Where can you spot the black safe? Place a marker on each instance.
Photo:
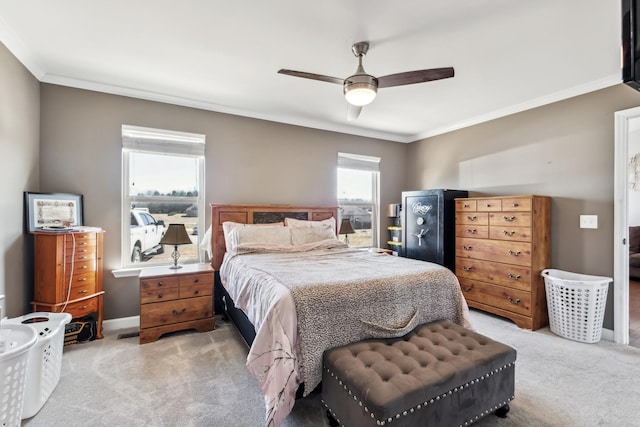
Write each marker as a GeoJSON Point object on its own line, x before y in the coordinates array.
{"type": "Point", "coordinates": [428, 225]}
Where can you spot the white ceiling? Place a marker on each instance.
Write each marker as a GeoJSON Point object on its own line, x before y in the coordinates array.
{"type": "Point", "coordinates": [224, 56]}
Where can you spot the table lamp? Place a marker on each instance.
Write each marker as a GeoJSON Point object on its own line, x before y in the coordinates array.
{"type": "Point", "coordinates": [175, 235]}
{"type": "Point", "coordinates": [346, 229]}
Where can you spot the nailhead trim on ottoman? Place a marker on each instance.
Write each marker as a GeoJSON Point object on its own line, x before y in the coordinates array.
{"type": "Point", "coordinates": [440, 374]}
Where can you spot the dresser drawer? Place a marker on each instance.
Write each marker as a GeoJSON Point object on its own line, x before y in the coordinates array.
{"type": "Point", "coordinates": [518, 253]}
{"type": "Point", "coordinates": [472, 218]}
{"type": "Point", "coordinates": [516, 204]}
{"type": "Point", "coordinates": [170, 312]}
{"type": "Point", "coordinates": [159, 294]}
{"type": "Point", "coordinates": [159, 283]}
{"type": "Point", "coordinates": [489, 205]}
{"type": "Point", "coordinates": [514, 219]}
{"type": "Point", "coordinates": [502, 232]}
{"type": "Point", "coordinates": [497, 296]}
{"type": "Point", "coordinates": [512, 276]}
{"type": "Point", "coordinates": [80, 267]}
{"type": "Point", "coordinates": [82, 308]}
{"type": "Point", "coordinates": [88, 252]}
{"type": "Point", "coordinates": [466, 205]}
{"type": "Point", "coordinates": [189, 291]}
{"type": "Point", "coordinates": [80, 239]}
{"type": "Point", "coordinates": [82, 290]}
{"type": "Point", "coordinates": [80, 278]}
{"type": "Point", "coordinates": [196, 279]}
{"type": "Point", "coordinates": [469, 230]}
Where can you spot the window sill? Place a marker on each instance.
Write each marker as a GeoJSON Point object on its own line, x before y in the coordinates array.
{"type": "Point", "coordinates": [126, 272]}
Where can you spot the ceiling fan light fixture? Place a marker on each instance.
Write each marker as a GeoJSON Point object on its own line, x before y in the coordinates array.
{"type": "Point", "coordinates": [360, 90]}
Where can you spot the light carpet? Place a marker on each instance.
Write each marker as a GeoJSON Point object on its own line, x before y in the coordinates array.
{"type": "Point", "coordinates": [199, 379]}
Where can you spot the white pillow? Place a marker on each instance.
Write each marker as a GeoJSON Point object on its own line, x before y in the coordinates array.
{"type": "Point", "coordinates": [329, 224]}
{"type": "Point", "coordinates": [229, 226]}
{"type": "Point", "coordinates": [303, 235]}
{"type": "Point", "coordinates": [260, 236]}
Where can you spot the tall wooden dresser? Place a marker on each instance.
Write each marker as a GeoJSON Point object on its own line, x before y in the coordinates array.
{"type": "Point", "coordinates": [502, 245]}
{"type": "Point", "coordinates": [68, 274]}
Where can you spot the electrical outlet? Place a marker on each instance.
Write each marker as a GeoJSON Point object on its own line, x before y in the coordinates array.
{"type": "Point", "coordinates": [588, 221]}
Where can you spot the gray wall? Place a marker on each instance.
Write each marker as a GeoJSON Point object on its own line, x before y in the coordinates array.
{"type": "Point", "coordinates": [247, 161]}
{"type": "Point", "coordinates": [19, 141]}
{"type": "Point", "coordinates": [564, 150]}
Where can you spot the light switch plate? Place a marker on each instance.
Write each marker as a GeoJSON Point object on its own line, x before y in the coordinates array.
{"type": "Point", "coordinates": [588, 221]}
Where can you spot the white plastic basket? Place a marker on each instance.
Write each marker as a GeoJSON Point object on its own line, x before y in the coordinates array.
{"type": "Point", "coordinates": [576, 304]}
{"type": "Point", "coordinates": [15, 342]}
{"type": "Point", "coordinates": [45, 357]}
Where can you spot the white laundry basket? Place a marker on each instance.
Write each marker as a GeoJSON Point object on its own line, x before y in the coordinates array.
{"type": "Point", "coordinates": [45, 357]}
{"type": "Point", "coordinates": [15, 343]}
{"type": "Point", "coordinates": [576, 304]}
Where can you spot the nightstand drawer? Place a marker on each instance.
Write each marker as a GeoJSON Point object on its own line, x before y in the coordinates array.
{"type": "Point", "coordinates": [196, 279]}
{"type": "Point", "coordinates": [159, 294]}
{"type": "Point", "coordinates": [171, 312]}
{"type": "Point", "coordinates": [159, 283]}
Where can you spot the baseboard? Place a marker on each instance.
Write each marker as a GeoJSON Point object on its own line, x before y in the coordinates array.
{"type": "Point", "coordinates": [112, 325]}
{"type": "Point", "coordinates": [607, 334]}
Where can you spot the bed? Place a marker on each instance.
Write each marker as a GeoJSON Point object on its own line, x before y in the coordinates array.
{"type": "Point", "coordinates": [294, 290]}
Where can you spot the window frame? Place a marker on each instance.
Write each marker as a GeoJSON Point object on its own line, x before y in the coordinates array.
{"type": "Point", "coordinates": [368, 164]}
{"type": "Point", "coordinates": [137, 139]}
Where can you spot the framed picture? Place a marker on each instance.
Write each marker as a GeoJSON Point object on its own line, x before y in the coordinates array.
{"type": "Point", "coordinates": [52, 211]}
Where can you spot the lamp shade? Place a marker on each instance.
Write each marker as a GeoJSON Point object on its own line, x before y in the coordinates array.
{"type": "Point", "coordinates": [345, 227]}
{"type": "Point", "coordinates": [176, 234]}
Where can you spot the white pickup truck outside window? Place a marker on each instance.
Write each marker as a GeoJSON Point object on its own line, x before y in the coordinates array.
{"type": "Point", "coordinates": [162, 183]}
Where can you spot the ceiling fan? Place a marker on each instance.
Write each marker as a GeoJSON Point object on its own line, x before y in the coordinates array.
{"type": "Point", "coordinates": [361, 88]}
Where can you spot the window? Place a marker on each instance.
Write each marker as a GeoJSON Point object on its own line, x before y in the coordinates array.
{"type": "Point", "coordinates": [162, 184]}
{"type": "Point", "coordinates": [358, 194]}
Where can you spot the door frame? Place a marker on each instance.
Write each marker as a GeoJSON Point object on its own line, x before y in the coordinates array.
{"type": "Point", "coordinates": [621, 228]}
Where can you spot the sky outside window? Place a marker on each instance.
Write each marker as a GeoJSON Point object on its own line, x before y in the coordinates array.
{"type": "Point", "coordinates": [354, 184]}
{"type": "Point", "coordinates": [154, 172]}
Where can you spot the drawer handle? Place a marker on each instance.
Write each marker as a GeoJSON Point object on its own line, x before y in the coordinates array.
{"type": "Point", "coordinates": [468, 289]}
{"type": "Point", "coordinates": [509, 218]}
{"type": "Point", "coordinates": [512, 301]}
{"type": "Point", "coordinates": [472, 218]}
{"type": "Point", "coordinates": [515, 205]}
{"type": "Point", "coordinates": [466, 206]}
{"type": "Point", "coordinates": [514, 253]}
{"type": "Point", "coordinates": [512, 277]}
{"type": "Point", "coordinates": [471, 231]}
{"type": "Point", "coordinates": [82, 250]}
{"type": "Point", "coordinates": [84, 291]}
{"type": "Point", "coordinates": [196, 292]}
{"type": "Point", "coordinates": [509, 233]}
{"type": "Point", "coordinates": [160, 296]}
{"type": "Point", "coordinates": [83, 307]}
{"type": "Point", "coordinates": [196, 280]}
{"type": "Point", "coordinates": [467, 248]}
{"type": "Point", "coordinates": [465, 268]}
{"type": "Point", "coordinates": [84, 279]}
{"type": "Point", "coordinates": [160, 284]}
{"type": "Point", "coordinates": [176, 312]}
{"type": "Point", "coordinates": [82, 267]}
{"type": "Point", "coordinates": [488, 205]}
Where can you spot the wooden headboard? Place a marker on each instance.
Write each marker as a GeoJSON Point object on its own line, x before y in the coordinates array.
{"type": "Point", "coordinates": [258, 214]}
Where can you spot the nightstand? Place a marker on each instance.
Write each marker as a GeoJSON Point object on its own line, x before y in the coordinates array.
{"type": "Point", "coordinates": [175, 300]}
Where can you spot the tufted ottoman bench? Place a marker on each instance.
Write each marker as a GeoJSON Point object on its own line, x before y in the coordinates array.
{"type": "Point", "coordinates": [440, 374]}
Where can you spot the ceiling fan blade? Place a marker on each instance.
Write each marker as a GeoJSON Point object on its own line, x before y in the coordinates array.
{"type": "Point", "coordinates": [311, 76]}
{"type": "Point", "coordinates": [353, 112]}
{"type": "Point", "coordinates": [411, 77]}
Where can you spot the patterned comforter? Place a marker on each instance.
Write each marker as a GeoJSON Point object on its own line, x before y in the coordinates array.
{"type": "Point", "coordinates": [306, 300]}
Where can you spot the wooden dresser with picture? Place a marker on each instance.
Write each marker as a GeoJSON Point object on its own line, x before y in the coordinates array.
{"type": "Point", "coordinates": [502, 245]}
{"type": "Point", "coordinates": [68, 274]}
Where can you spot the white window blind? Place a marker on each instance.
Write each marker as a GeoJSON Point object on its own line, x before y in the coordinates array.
{"type": "Point", "coordinates": [358, 162]}
{"type": "Point", "coordinates": [162, 141]}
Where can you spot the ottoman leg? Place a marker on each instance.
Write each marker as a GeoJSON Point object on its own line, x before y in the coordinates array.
{"type": "Point", "coordinates": [502, 412]}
